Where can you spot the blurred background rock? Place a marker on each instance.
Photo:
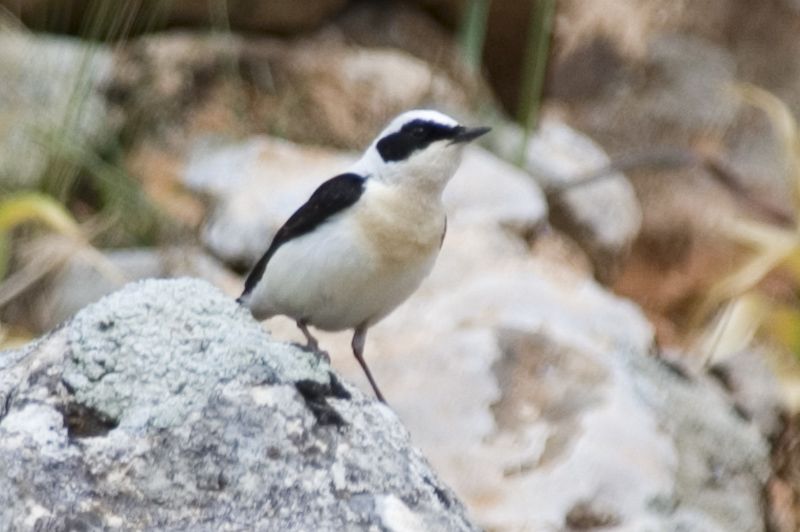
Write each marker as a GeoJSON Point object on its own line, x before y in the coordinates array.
{"type": "Point", "coordinates": [619, 354]}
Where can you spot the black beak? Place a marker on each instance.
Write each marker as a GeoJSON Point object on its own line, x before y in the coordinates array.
{"type": "Point", "coordinates": [467, 134]}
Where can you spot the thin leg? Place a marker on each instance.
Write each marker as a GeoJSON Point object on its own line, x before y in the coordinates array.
{"type": "Point", "coordinates": [311, 342]}
{"type": "Point", "coordinates": [359, 338]}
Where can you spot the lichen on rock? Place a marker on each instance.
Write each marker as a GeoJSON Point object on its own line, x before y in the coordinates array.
{"type": "Point", "coordinates": [165, 405]}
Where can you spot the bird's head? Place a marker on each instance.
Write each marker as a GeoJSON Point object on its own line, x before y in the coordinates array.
{"type": "Point", "coordinates": [420, 148]}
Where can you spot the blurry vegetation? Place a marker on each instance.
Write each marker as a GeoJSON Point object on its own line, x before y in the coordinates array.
{"type": "Point", "coordinates": [94, 180]}
{"type": "Point", "coordinates": [99, 20]}
{"type": "Point", "coordinates": [63, 239]}
{"type": "Point", "coordinates": [84, 188]}
{"type": "Point", "coordinates": [91, 181]}
{"type": "Point", "coordinates": [534, 67]}
{"type": "Point", "coordinates": [537, 52]}
{"type": "Point", "coordinates": [773, 252]}
{"type": "Point", "coordinates": [82, 185]}
{"type": "Point", "coordinates": [473, 32]}
{"type": "Point", "coordinates": [21, 208]}
{"type": "Point", "coordinates": [96, 184]}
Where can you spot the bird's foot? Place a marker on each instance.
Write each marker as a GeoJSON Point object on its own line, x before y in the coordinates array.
{"type": "Point", "coordinates": [322, 356]}
{"type": "Point", "coordinates": [313, 348]}
{"type": "Point", "coordinates": [311, 343]}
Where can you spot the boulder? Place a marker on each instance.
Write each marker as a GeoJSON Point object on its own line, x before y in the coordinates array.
{"type": "Point", "coordinates": [603, 216]}
{"type": "Point", "coordinates": [166, 406]}
{"type": "Point", "coordinates": [560, 412]}
{"type": "Point", "coordinates": [404, 26]}
{"type": "Point", "coordinates": [51, 104]}
{"type": "Point", "coordinates": [81, 281]}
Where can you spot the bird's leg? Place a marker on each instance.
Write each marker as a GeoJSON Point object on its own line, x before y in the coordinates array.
{"type": "Point", "coordinates": [359, 338]}
{"type": "Point", "coordinates": [311, 342]}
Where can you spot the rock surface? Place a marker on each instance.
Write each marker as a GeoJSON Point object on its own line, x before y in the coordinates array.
{"type": "Point", "coordinates": [51, 91]}
{"type": "Point", "coordinates": [603, 217]}
{"type": "Point", "coordinates": [165, 406]}
{"type": "Point", "coordinates": [559, 415]}
{"type": "Point", "coordinates": [79, 282]}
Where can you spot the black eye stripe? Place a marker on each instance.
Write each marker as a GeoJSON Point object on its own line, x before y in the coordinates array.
{"type": "Point", "coordinates": [413, 136]}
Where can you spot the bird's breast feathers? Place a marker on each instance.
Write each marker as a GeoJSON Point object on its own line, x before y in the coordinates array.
{"type": "Point", "coordinates": [402, 228]}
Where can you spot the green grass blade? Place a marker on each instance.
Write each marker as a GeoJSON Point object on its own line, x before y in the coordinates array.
{"type": "Point", "coordinates": [534, 69]}
{"type": "Point", "coordinates": [28, 207]}
{"type": "Point", "coordinates": [473, 32]}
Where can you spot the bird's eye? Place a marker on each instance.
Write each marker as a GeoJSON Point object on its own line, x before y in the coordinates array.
{"type": "Point", "coordinates": [418, 132]}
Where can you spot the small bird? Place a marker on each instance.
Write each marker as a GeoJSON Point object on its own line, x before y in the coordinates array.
{"type": "Point", "coordinates": [365, 239]}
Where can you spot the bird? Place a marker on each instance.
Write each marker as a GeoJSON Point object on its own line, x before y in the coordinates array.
{"type": "Point", "coordinates": [365, 239]}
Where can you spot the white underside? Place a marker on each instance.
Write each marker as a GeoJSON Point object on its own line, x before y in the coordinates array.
{"type": "Point", "coordinates": [335, 279]}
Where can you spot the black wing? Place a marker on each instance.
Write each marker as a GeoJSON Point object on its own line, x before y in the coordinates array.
{"type": "Point", "coordinates": [332, 196]}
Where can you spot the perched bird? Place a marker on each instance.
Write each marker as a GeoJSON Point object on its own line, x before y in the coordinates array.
{"type": "Point", "coordinates": [365, 239]}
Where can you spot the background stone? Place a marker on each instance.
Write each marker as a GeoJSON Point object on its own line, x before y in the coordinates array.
{"type": "Point", "coordinates": [79, 282]}
{"type": "Point", "coordinates": [318, 89]}
{"type": "Point", "coordinates": [51, 104]}
{"type": "Point", "coordinates": [603, 217]}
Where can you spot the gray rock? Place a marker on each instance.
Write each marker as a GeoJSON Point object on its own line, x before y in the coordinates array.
{"type": "Point", "coordinates": [716, 449]}
{"type": "Point", "coordinates": [50, 103]}
{"type": "Point", "coordinates": [679, 97]}
{"type": "Point", "coordinates": [604, 217]}
{"type": "Point", "coordinates": [559, 412]}
{"type": "Point", "coordinates": [754, 386]}
{"type": "Point", "coordinates": [405, 26]}
{"type": "Point", "coordinates": [489, 190]}
{"type": "Point", "coordinates": [165, 406]}
{"type": "Point", "coordinates": [79, 282]}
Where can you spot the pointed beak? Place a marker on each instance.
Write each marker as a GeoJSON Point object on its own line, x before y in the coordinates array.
{"type": "Point", "coordinates": [467, 134]}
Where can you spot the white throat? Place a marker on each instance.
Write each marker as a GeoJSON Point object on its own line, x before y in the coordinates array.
{"type": "Point", "coordinates": [428, 171]}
